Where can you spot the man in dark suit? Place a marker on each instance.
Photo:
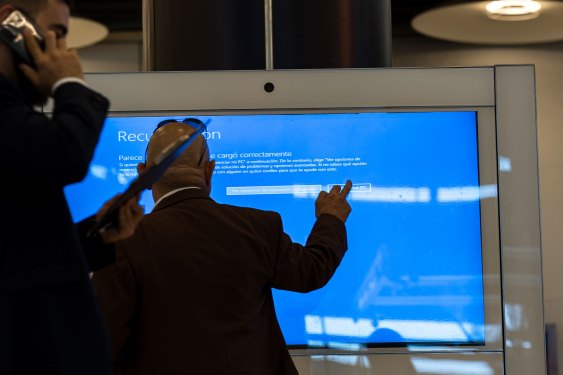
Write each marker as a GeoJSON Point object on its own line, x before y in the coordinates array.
{"type": "Point", "coordinates": [49, 319]}
{"type": "Point", "coordinates": [190, 292]}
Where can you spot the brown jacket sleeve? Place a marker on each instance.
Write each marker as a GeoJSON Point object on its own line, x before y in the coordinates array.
{"type": "Point", "coordinates": [305, 268]}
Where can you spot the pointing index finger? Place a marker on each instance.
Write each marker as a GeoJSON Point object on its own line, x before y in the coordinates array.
{"type": "Point", "coordinates": [347, 187]}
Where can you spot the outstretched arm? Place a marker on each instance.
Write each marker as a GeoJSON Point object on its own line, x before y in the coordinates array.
{"type": "Point", "coordinates": [306, 268]}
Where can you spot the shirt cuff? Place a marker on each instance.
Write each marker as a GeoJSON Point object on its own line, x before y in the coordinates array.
{"type": "Point", "coordinates": [62, 81]}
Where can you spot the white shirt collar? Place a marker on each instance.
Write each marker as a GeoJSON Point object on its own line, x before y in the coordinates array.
{"type": "Point", "coordinates": [174, 192]}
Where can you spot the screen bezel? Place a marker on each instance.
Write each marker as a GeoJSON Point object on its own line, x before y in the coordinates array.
{"type": "Point", "coordinates": [507, 91]}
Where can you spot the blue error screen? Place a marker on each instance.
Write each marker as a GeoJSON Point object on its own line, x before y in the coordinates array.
{"type": "Point", "coordinates": [413, 271]}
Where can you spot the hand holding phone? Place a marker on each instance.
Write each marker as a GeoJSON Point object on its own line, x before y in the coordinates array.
{"type": "Point", "coordinates": [54, 63]}
{"type": "Point", "coordinates": [11, 32]}
{"type": "Point", "coordinates": [43, 57]}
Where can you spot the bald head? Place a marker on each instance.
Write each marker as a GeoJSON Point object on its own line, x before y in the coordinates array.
{"type": "Point", "coordinates": [192, 168]}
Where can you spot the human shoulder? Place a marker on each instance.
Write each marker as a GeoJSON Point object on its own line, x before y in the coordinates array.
{"type": "Point", "coordinates": [73, 90]}
{"type": "Point", "coordinates": [151, 223]}
{"type": "Point", "coordinates": [251, 213]}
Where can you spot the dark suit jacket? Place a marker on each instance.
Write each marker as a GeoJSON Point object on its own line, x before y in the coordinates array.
{"type": "Point", "coordinates": [49, 319]}
{"type": "Point", "coordinates": [190, 292]}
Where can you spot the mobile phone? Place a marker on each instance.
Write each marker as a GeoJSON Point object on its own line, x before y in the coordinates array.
{"type": "Point", "coordinates": [11, 32]}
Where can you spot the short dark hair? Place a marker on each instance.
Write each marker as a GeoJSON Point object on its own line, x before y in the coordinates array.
{"type": "Point", "coordinates": [31, 7]}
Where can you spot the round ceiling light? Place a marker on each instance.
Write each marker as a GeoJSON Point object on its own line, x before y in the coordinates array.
{"type": "Point", "coordinates": [471, 22]}
{"type": "Point", "coordinates": [513, 10]}
{"type": "Point", "coordinates": [83, 32]}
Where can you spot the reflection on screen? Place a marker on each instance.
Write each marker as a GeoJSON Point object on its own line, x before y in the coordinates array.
{"type": "Point", "coordinates": [413, 271]}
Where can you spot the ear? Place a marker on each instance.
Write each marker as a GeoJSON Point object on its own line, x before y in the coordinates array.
{"type": "Point", "coordinates": [209, 173]}
{"type": "Point", "coordinates": [141, 169]}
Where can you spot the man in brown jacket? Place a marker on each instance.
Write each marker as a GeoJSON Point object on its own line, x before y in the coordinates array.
{"type": "Point", "coordinates": [190, 292]}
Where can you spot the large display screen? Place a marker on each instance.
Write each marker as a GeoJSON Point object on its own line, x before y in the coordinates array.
{"type": "Point", "coordinates": [413, 273]}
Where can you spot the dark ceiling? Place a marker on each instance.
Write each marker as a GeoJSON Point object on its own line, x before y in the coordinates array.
{"type": "Point", "coordinates": [126, 15]}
